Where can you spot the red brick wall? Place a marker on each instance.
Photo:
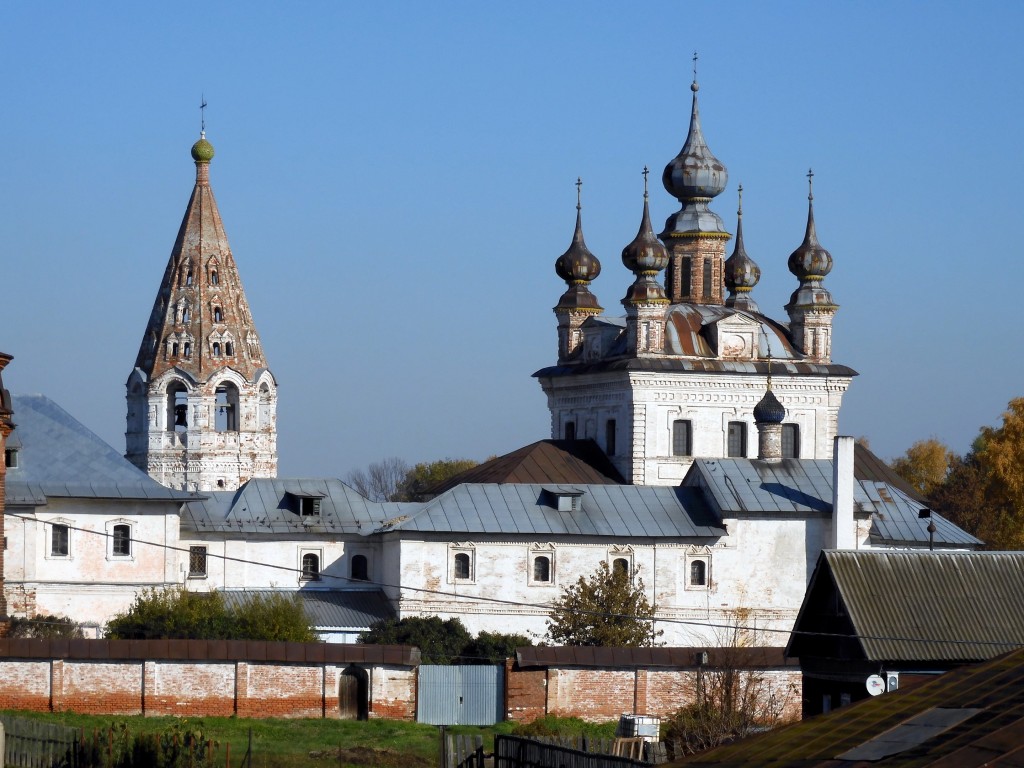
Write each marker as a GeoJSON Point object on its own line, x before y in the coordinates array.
{"type": "Point", "coordinates": [197, 689]}
{"type": "Point", "coordinates": [604, 694]}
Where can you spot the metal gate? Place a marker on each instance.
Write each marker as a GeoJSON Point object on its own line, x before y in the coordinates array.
{"type": "Point", "coordinates": [460, 695]}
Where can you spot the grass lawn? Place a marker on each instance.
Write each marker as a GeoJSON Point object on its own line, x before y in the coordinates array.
{"type": "Point", "coordinates": [280, 743]}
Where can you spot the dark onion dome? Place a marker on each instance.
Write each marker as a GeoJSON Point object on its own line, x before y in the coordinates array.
{"type": "Point", "coordinates": [645, 257]}
{"type": "Point", "coordinates": [578, 266]}
{"type": "Point", "coordinates": [769, 410]}
{"type": "Point", "coordinates": [202, 150]}
{"type": "Point", "coordinates": [810, 261]}
{"type": "Point", "coordinates": [694, 172]}
{"type": "Point", "coordinates": [741, 271]}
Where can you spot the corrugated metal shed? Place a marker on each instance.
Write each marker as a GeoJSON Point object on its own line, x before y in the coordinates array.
{"type": "Point", "coordinates": [59, 456]}
{"type": "Point", "coordinates": [335, 608]}
{"type": "Point", "coordinates": [603, 510]}
{"type": "Point", "coordinates": [910, 606]}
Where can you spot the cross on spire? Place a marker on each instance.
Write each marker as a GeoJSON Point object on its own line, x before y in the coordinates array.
{"type": "Point", "coordinates": [202, 115]}
{"type": "Point", "coordinates": [646, 171]}
{"type": "Point", "coordinates": [579, 184]}
{"type": "Point", "coordinates": [695, 66]}
{"type": "Point", "coordinates": [739, 192]}
{"type": "Point", "coordinates": [810, 183]}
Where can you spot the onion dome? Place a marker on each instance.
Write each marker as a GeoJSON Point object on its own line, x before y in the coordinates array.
{"type": "Point", "coordinates": [769, 410]}
{"type": "Point", "coordinates": [693, 177]}
{"type": "Point", "coordinates": [645, 257]}
{"type": "Point", "coordinates": [578, 266]}
{"type": "Point", "coordinates": [741, 271]}
{"type": "Point", "coordinates": [810, 261]}
{"type": "Point", "coordinates": [202, 150]}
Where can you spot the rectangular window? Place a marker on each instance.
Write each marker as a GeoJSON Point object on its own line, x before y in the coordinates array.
{"type": "Point", "coordinates": [682, 434]}
{"type": "Point", "coordinates": [790, 441]}
{"type": "Point", "coordinates": [609, 437]}
{"type": "Point", "coordinates": [11, 458]}
{"type": "Point", "coordinates": [197, 562]}
{"type": "Point", "coordinates": [59, 540]}
{"type": "Point", "coordinates": [737, 439]}
{"type": "Point", "coordinates": [570, 430]}
{"type": "Point", "coordinates": [122, 545]}
{"type": "Point", "coordinates": [309, 506]}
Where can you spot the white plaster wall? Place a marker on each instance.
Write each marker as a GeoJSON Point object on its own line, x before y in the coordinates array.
{"type": "Point", "coordinates": [644, 405]}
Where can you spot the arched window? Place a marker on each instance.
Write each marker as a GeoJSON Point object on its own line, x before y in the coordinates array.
{"type": "Point", "coordinates": [229, 348]}
{"type": "Point", "coordinates": [707, 278]}
{"type": "Point", "coordinates": [226, 408]}
{"type": "Point", "coordinates": [216, 349]}
{"type": "Point", "coordinates": [186, 314]}
{"type": "Point", "coordinates": [462, 566]}
{"type": "Point", "coordinates": [188, 277]}
{"type": "Point", "coordinates": [698, 573]}
{"type": "Point", "coordinates": [310, 567]}
{"type": "Point", "coordinates": [218, 316]}
{"type": "Point", "coordinates": [214, 279]}
{"type": "Point", "coordinates": [188, 349]}
{"type": "Point", "coordinates": [620, 567]}
{"type": "Point", "coordinates": [177, 407]}
{"type": "Point", "coordinates": [266, 408]}
{"type": "Point", "coordinates": [359, 569]}
{"type": "Point", "coordinates": [122, 541]}
{"type": "Point", "coordinates": [541, 568]}
{"type": "Point", "coordinates": [174, 349]}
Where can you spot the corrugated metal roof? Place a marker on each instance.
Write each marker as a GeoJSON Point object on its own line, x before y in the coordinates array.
{"type": "Point", "coordinates": [268, 505]}
{"type": "Point", "coordinates": [804, 487]}
{"type": "Point", "coordinates": [697, 365]}
{"type": "Point", "coordinates": [991, 737]}
{"type": "Point", "coordinates": [59, 456]}
{"type": "Point", "coordinates": [546, 461]}
{"type": "Point", "coordinates": [333, 608]}
{"type": "Point", "coordinates": [603, 510]}
{"type": "Point", "coordinates": [932, 605]}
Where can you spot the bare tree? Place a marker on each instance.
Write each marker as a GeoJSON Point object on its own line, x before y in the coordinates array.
{"type": "Point", "coordinates": [382, 480]}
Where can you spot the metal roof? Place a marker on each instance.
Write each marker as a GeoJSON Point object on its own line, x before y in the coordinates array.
{"type": "Point", "coordinates": [334, 608]}
{"type": "Point", "coordinates": [917, 606]}
{"type": "Point", "coordinates": [602, 510]}
{"type": "Point", "coordinates": [804, 487]}
{"type": "Point", "coordinates": [268, 505]}
{"type": "Point", "coordinates": [546, 461]}
{"type": "Point", "coordinates": [59, 456]}
{"type": "Point", "coordinates": [981, 707]}
{"type": "Point", "coordinates": [696, 365]}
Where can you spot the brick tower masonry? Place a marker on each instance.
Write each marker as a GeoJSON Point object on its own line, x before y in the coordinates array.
{"type": "Point", "coordinates": [6, 427]}
{"type": "Point", "coordinates": [202, 404]}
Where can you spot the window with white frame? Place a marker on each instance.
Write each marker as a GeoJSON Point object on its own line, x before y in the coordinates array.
{"type": "Point", "coordinates": [462, 564]}
{"type": "Point", "coordinates": [197, 562]}
{"type": "Point", "coordinates": [698, 570]}
{"type": "Point", "coordinates": [60, 540]}
{"type": "Point", "coordinates": [541, 565]}
{"type": "Point", "coordinates": [119, 540]}
{"type": "Point", "coordinates": [737, 439]}
{"type": "Point", "coordinates": [360, 568]}
{"type": "Point", "coordinates": [309, 565]}
{"type": "Point", "coordinates": [682, 437]}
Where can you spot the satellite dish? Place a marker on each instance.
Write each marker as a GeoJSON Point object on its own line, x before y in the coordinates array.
{"type": "Point", "coordinates": [875, 685]}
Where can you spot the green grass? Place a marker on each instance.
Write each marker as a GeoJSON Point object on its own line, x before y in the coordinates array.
{"type": "Point", "coordinates": [280, 743]}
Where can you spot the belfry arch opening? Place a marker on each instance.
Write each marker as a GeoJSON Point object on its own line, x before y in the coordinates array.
{"type": "Point", "coordinates": [177, 407]}
{"type": "Point", "coordinates": [226, 408]}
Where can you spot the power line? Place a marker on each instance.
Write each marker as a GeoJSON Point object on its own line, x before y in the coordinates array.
{"type": "Point", "coordinates": [546, 607]}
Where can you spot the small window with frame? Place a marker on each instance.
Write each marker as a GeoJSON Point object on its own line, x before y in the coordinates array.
{"type": "Point", "coordinates": [462, 564]}
{"type": "Point", "coordinates": [60, 541]}
{"type": "Point", "coordinates": [698, 571]}
{"type": "Point", "coordinates": [541, 566]}
{"type": "Point", "coordinates": [197, 562]}
{"type": "Point", "coordinates": [121, 541]}
{"type": "Point", "coordinates": [310, 566]}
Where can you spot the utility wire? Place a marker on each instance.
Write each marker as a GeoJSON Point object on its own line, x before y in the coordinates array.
{"type": "Point", "coordinates": [547, 607]}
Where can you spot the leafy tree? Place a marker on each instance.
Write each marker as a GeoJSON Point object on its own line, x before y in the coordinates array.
{"type": "Point", "coordinates": [426, 475]}
{"type": "Point", "coordinates": [381, 480]}
{"type": "Point", "coordinates": [45, 626]}
{"type": "Point", "coordinates": [493, 648]}
{"type": "Point", "coordinates": [440, 641]}
{"type": "Point", "coordinates": [924, 465]}
{"type": "Point", "coordinates": [608, 608]}
{"type": "Point", "coordinates": [178, 614]}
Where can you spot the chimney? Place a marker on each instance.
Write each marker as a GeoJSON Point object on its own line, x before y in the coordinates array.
{"type": "Point", "coordinates": [844, 532]}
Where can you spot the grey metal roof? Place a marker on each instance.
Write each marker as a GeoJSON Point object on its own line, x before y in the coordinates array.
{"type": "Point", "coordinates": [694, 365]}
{"type": "Point", "coordinates": [932, 605]}
{"type": "Point", "coordinates": [804, 487]}
{"type": "Point", "coordinates": [328, 608]}
{"type": "Point", "coordinates": [59, 456]}
{"type": "Point", "coordinates": [604, 510]}
{"type": "Point", "coordinates": [266, 505]}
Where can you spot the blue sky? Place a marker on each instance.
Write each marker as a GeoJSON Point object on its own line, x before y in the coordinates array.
{"type": "Point", "coordinates": [396, 180]}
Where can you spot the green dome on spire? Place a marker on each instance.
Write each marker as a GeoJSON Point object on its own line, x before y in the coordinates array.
{"type": "Point", "coordinates": [202, 150]}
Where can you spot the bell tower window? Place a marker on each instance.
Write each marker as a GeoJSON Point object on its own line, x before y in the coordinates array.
{"type": "Point", "coordinates": [177, 408]}
{"type": "Point", "coordinates": [218, 316]}
{"type": "Point", "coordinates": [226, 417]}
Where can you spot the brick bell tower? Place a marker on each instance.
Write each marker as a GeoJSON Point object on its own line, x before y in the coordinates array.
{"type": "Point", "coordinates": [202, 404]}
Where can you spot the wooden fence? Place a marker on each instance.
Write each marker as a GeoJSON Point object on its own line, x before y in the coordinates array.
{"type": "Point", "coordinates": [580, 752]}
{"type": "Point", "coordinates": [35, 744]}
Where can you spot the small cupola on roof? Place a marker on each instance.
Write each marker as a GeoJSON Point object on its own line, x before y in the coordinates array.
{"type": "Point", "coordinates": [741, 271]}
{"type": "Point", "coordinates": [769, 414]}
{"type": "Point", "coordinates": [811, 307]}
{"type": "Point", "coordinates": [577, 267]}
{"type": "Point", "coordinates": [645, 257]}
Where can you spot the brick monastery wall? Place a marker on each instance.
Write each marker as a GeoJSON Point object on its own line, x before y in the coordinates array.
{"type": "Point", "coordinates": [599, 695]}
{"type": "Point", "coordinates": [202, 678]}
